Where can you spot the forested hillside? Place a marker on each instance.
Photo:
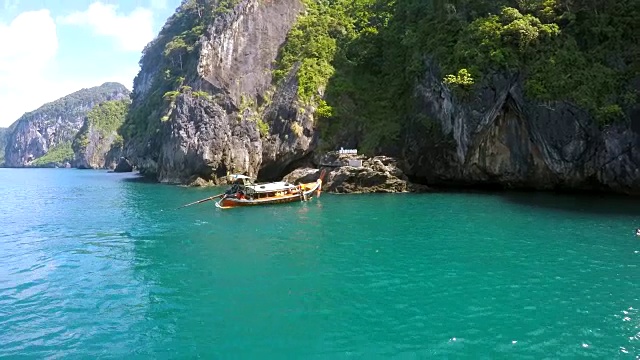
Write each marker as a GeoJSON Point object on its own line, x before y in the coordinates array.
{"type": "Point", "coordinates": [370, 54]}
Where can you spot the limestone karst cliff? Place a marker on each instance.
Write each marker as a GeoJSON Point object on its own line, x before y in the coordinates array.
{"type": "Point", "coordinates": [51, 128]}
{"type": "Point", "coordinates": [497, 137]}
{"type": "Point", "coordinates": [515, 94]}
{"type": "Point", "coordinates": [97, 145]}
{"type": "Point", "coordinates": [204, 103]}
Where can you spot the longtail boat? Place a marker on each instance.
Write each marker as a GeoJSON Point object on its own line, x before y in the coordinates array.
{"type": "Point", "coordinates": [244, 192]}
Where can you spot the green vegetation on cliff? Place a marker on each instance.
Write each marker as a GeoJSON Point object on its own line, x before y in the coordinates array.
{"type": "Point", "coordinates": [364, 57]}
{"type": "Point", "coordinates": [109, 115]}
{"type": "Point", "coordinates": [583, 53]}
{"type": "Point", "coordinates": [105, 118]}
{"type": "Point", "coordinates": [339, 46]}
{"type": "Point", "coordinates": [171, 57]}
{"type": "Point", "coordinates": [58, 156]}
{"type": "Point", "coordinates": [359, 61]}
{"type": "Point", "coordinates": [76, 104]}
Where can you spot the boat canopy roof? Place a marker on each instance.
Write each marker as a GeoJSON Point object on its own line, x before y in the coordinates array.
{"type": "Point", "coordinates": [273, 186]}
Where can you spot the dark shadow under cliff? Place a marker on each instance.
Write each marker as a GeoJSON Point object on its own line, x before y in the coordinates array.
{"type": "Point", "coordinates": [587, 203]}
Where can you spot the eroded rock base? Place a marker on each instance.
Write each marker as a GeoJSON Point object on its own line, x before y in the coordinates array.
{"type": "Point", "coordinates": [343, 174]}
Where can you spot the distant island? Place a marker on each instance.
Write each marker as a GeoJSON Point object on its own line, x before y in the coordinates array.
{"type": "Point", "coordinates": [82, 121]}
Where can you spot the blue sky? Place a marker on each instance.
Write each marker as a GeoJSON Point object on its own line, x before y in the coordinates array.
{"type": "Point", "coordinates": [50, 48]}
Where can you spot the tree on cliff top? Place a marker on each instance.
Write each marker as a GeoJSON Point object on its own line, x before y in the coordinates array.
{"type": "Point", "coordinates": [581, 52]}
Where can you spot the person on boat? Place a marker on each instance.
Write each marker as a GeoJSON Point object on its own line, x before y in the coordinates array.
{"type": "Point", "coordinates": [233, 189]}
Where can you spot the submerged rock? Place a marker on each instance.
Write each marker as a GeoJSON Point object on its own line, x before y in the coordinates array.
{"type": "Point", "coordinates": [200, 182]}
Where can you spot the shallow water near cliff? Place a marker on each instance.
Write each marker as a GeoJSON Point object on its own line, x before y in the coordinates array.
{"type": "Point", "coordinates": [94, 264]}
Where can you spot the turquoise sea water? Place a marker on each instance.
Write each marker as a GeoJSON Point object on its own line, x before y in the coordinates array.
{"type": "Point", "coordinates": [99, 265]}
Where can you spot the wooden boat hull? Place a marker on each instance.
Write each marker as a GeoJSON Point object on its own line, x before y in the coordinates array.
{"type": "Point", "coordinates": [306, 192]}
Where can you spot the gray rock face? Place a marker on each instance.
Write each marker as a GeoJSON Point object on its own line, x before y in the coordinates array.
{"type": "Point", "coordinates": [31, 136]}
{"type": "Point", "coordinates": [124, 165]}
{"type": "Point", "coordinates": [97, 154]}
{"type": "Point", "coordinates": [112, 157]}
{"type": "Point", "coordinates": [241, 46]}
{"type": "Point", "coordinates": [292, 134]}
{"type": "Point", "coordinates": [379, 174]}
{"type": "Point", "coordinates": [202, 139]}
{"type": "Point", "coordinates": [97, 145]}
{"type": "Point", "coordinates": [497, 137]}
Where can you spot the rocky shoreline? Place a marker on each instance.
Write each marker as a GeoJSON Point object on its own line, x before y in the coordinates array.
{"type": "Point", "coordinates": [344, 174]}
{"type": "Point", "coordinates": [353, 174]}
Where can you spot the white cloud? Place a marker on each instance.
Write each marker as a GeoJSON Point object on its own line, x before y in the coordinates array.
{"type": "Point", "coordinates": [29, 76]}
{"type": "Point", "coordinates": [132, 31]}
{"type": "Point", "coordinates": [29, 44]}
{"type": "Point", "coordinates": [30, 38]}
